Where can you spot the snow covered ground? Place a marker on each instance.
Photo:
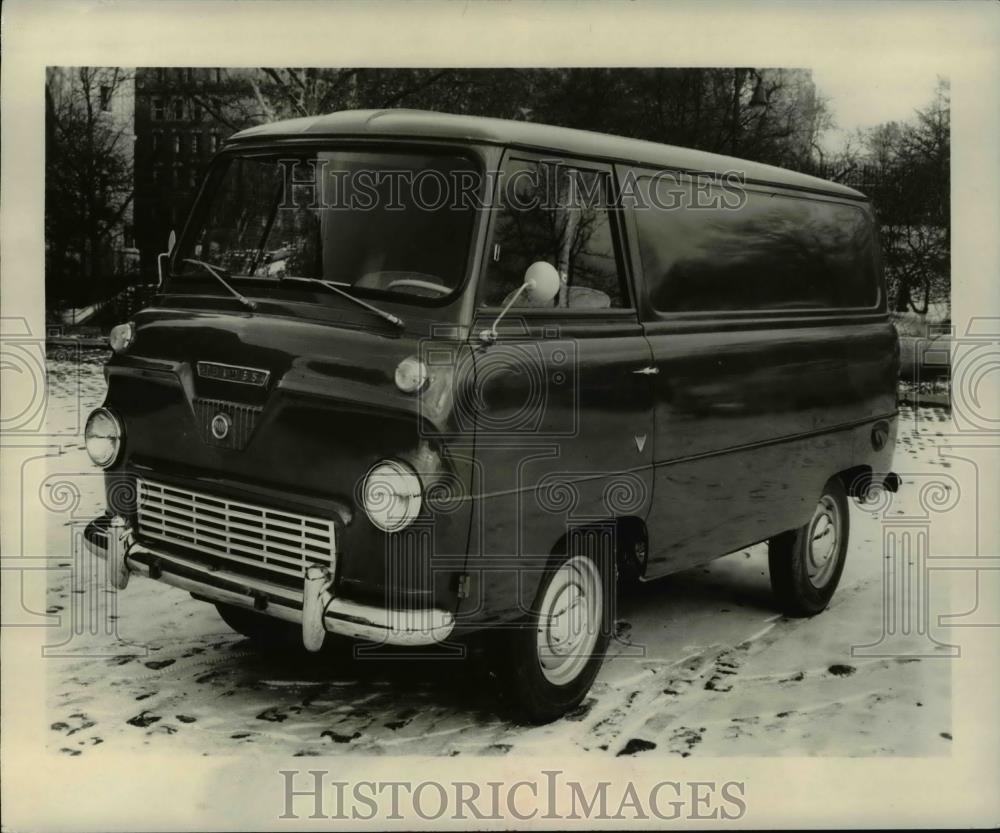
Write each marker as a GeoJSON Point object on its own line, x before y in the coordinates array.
{"type": "Point", "coordinates": [702, 665]}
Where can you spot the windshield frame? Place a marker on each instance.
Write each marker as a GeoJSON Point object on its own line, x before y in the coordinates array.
{"type": "Point", "coordinates": [180, 281]}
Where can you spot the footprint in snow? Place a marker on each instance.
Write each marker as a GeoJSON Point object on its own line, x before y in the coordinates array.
{"type": "Point", "coordinates": [275, 714]}
{"type": "Point", "coordinates": [336, 737]}
{"type": "Point", "coordinates": [635, 745]}
{"type": "Point", "coordinates": [81, 721]}
{"type": "Point", "coordinates": [685, 739]}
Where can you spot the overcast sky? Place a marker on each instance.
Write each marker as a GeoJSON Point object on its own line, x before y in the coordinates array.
{"type": "Point", "coordinates": [859, 97]}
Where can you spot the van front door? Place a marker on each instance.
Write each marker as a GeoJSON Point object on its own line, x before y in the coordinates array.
{"type": "Point", "coordinates": [564, 407]}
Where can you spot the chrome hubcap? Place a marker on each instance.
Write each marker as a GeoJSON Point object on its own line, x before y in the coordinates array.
{"type": "Point", "coordinates": [824, 542]}
{"type": "Point", "coordinates": [569, 620]}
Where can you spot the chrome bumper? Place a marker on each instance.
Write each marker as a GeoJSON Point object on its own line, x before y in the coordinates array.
{"type": "Point", "coordinates": [316, 609]}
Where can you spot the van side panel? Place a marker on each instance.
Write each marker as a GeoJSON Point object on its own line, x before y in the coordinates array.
{"type": "Point", "coordinates": [775, 359]}
{"type": "Point", "coordinates": [750, 424]}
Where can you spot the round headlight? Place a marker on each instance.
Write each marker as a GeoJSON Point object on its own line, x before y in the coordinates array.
{"type": "Point", "coordinates": [392, 495]}
{"type": "Point", "coordinates": [411, 375]}
{"type": "Point", "coordinates": [103, 437]}
{"type": "Point", "coordinates": [121, 337]}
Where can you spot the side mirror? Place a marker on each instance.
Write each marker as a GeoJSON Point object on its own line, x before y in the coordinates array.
{"type": "Point", "coordinates": [541, 282]}
{"type": "Point", "coordinates": [541, 285]}
{"type": "Point", "coordinates": [171, 242]}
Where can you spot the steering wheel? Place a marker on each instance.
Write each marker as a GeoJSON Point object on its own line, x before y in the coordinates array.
{"type": "Point", "coordinates": [414, 283]}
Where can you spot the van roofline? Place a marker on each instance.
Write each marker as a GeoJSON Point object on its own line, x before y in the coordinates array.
{"type": "Point", "coordinates": [415, 124]}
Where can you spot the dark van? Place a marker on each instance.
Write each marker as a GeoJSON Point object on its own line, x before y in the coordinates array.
{"type": "Point", "coordinates": [412, 377]}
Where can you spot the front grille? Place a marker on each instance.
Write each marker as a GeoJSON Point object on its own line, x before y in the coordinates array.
{"type": "Point", "coordinates": [277, 542]}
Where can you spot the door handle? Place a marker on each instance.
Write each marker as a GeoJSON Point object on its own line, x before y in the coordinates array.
{"type": "Point", "coordinates": [647, 371]}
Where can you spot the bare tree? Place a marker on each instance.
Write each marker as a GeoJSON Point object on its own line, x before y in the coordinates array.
{"type": "Point", "coordinates": [914, 203]}
{"type": "Point", "coordinates": [904, 167]}
{"type": "Point", "coordinates": [708, 109]}
{"type": "Point", "coordinates": [89, 178]}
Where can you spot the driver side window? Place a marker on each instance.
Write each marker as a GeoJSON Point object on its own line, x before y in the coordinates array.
{"type": "Point", "coordinates": [556, 212]}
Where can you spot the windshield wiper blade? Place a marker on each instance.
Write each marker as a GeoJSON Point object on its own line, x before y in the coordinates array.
{"type": "Point", "coordinates": [388, 316]}
{"type": "Point", "coordinates": [279, 190]}
{"type": "Point", "coordinates": [213, 271]}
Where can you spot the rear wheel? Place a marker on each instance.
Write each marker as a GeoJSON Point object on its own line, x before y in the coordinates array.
{"type": "Point", "coordinates": [549, 663]}
{"type": "Point", "coordinates": [806, 563]}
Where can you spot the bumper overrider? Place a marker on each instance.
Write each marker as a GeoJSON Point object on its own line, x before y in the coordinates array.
{"type": "Point", "coordinates": [315, 608]}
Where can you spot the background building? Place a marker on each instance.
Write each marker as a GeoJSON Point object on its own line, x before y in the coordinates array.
{"type": "Point", "coordinates": [180, 123]}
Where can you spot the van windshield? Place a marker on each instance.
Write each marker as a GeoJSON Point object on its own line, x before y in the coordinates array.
{"type": "Point", "coordinates": [373, 223]}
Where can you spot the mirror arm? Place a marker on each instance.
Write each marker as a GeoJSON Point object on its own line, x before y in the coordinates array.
{"type": "Point", "coordinates": [171, 242]}
{"type": "Point", "coordinates": [489, 335]}
{"type": "Point", "coordinates": [159, 268]}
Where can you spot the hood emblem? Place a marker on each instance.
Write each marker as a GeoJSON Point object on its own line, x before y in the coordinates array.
{"type": "Point", "coordinates": [640, 442]}
{"type": "Point", "coordinates": [234, 373]}
{"type": "Point", "coordinates": [226, 424]}
{"type": "Point", "coordinates": [221, 424]}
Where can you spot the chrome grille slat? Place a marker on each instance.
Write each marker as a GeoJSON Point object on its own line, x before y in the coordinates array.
{"type": "Point", "coordinates": [239, 533]}
{"type": "Point", "coordinates": [179, 539]}
{"type": "Point", "coordinates": [225, 541]}
{"type": "Point", "coordinates": [230, 558]}
{"type": "Point", "coordinates": [238, 543]}
{"type": "Point", "coordinates": [243, 533]}
{"type": "Point", "coordinates": [230, 529]}
{"type": "Point", "coordinates": [250, 522]}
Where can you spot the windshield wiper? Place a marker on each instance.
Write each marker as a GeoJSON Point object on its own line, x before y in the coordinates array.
{"type": "Point", "coordinates": [388, 316]}
{"type": "Point", "coordinates": [267, 229]}
{"type": "Point", "coordinates": [214, 272]}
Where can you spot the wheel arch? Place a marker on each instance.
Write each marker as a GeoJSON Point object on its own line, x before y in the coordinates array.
{"type": "Point", "coordinates": [630, 536]}
{"type": "Point", "coordinates": [856, 480]}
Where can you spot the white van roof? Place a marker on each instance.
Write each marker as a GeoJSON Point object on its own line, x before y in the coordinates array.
{"type": "Point", "coordinates": [423, 124]}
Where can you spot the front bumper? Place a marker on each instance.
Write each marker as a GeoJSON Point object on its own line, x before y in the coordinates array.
{"type": "Point", "coordinates": [316, 609]}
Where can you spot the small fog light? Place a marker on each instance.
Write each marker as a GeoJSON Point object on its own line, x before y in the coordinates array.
{"type": "Point", "coordinates": [411, 375]}
{"type": "Point", "coordinates": [122, 336]}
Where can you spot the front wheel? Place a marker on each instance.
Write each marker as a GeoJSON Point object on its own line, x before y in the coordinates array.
{"type": "Point", "coordinates": [550, 661]}
{"type": "Point", "coordinates": [806, 563]}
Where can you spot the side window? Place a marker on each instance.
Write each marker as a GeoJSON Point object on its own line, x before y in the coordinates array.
{"type": "Point", "coordinates": [556, 212]}
{"type": "Point", "coordinates": [772, 252]}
